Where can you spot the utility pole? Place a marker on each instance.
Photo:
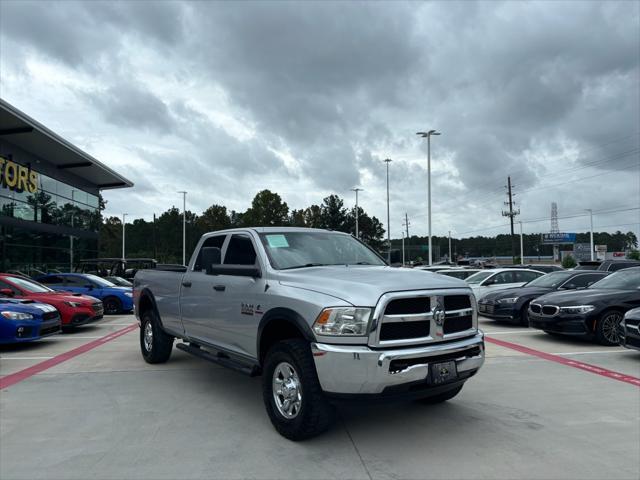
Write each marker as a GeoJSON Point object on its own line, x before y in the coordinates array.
{"type": "Point", "coordinates": [388, 161]}
{"type": "Point", "coordinates": [450, 261]}
{"type": "Point", "coordinates": [511, 213]}
{"type": "Point", "coordinates": [406, 226]}
{"type": "Point", "coordinates": [124, 219]}
{"type": "Point", "coordinates": [521, 246]}
{"type": "Point", "coordinates": [184, 227]}
{"type": "Point", "coordinates": [357, 210]}
{"type": "Point", "coordinates": [591, 234]}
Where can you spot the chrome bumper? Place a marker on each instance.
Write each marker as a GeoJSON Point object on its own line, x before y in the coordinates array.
{"type": "Point", "coordinates": [351, 369]}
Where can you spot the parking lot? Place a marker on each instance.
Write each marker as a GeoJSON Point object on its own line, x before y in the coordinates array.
{"type": "Point", "coordinates": [85, 405]}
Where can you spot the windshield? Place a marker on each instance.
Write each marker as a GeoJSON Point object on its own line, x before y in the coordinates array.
{"type": "Point", "coordinates": [288, 250]}
{"type": "Point", "coordinates": [476, 278]}
{"type": "Point", "coordinates": [622, 280]}
{"type": "Point", "coordinates": [29, 285]}
{"type": "Point", "coordinates": [550, 280]}
{"type": "Point", "coordinates": [99, 281]}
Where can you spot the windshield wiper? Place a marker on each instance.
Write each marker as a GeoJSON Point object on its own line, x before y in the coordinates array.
{"type": "Point", "coordinates": [307, 265]}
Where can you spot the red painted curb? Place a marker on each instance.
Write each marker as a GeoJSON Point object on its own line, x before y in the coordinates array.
{"type": "Point", "coordinates": [621, 377]}
{"type": "Point", "coordinates": [14, 378]}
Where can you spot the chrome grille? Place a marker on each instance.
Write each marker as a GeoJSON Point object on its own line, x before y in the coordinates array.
{"type": "Point", "coordinates": [408, 318]}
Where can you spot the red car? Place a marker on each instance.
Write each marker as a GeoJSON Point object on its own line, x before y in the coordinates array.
{"type": "Point", "coordinates": [75, 309]}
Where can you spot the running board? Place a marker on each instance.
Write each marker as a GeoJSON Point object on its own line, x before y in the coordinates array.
{"type": "Point", "coordinates": [220, 359]}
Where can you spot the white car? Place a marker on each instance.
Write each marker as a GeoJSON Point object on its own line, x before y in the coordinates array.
{"type": "Point", "coordinates": [487, 281]}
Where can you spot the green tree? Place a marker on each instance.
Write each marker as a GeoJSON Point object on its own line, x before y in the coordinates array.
{"type": "Point", "coordinates": [213, 218]}
{"type": "Point", "coordinates": [267, 209]}
{"type": "Point", "coordinates": [333, 214]}
{"type": "Point", "coordinates": [568, 262]}
{"type": "Point", "coordinates": [634, 255]}
{"type": "Point", "coordinates": [370, 229]}
{"type": "Point", "coordinates": [313, 217]}
{"type": "Point", "coordinates": [296, 219]}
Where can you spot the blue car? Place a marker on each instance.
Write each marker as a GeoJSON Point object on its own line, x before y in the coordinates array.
{"type": "Point", "coordinates": [26, 321]}
{"type": "Point", "coordinates": [114, 298]}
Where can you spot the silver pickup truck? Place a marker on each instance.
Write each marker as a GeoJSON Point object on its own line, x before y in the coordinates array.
{"type": "Point", "coordinates": [319, 315]}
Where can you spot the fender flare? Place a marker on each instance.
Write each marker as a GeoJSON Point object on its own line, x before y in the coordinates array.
{"type": "Point", "coordinates": [288, 315]}
{"type": "Point", "coordinates": [146, 293]}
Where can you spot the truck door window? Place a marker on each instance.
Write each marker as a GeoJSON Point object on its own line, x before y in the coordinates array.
{"type": "Point", "coordinates": [240, 251]}
{"type": "Point", "coordinates": [216, 241]}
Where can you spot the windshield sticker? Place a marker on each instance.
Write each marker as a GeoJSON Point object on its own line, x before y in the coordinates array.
{"type": "Point", "coordinates": [277, 241]}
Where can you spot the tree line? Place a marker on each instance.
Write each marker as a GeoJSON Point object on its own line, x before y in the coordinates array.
{"type": "Point", "coordinates": [162, 237]}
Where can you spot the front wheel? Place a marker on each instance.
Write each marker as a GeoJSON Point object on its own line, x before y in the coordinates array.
{"type": "Point", "coordinates": [112, 305]}
{"type": "Point", "coordinates": [155, 344]}
{"type": "Point", "coordinates": [291, 391]}
{"type": "Point", "coordinates": [607, 328]}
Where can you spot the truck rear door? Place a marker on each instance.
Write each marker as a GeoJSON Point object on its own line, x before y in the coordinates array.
{"type": "Point", "coordinates": [199, 301]}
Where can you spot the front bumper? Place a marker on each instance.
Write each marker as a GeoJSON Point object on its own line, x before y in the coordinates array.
{"type": "Point", "coordinates": [629, 334]}
{"type": "Point", "coordinates": [28, 331]}
{"type": "Point", "coordinates": [565, 324]}
{"type": "Point", "coordinates": [357, 370]}
{"type": "Point", "coordinates": [499, 311]}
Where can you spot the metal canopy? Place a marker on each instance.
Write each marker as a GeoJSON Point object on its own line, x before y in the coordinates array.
{"type": "Point", "coordinates": [21, 130]}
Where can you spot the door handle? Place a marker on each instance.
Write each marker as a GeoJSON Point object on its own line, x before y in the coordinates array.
{"type": "Point", "coordinates": [186, 284]}
{"type": "Point", "coordinates": [219, 288]}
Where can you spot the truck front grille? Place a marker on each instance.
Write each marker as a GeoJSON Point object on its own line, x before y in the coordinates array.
{"type": "Point", "coordinates": [397, 331]}
{"type": "Point", "coordinates": [409, 318]}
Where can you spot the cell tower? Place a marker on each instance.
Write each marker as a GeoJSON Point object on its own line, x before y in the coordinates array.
{"type": "Point", "coordinates": [554, 218]}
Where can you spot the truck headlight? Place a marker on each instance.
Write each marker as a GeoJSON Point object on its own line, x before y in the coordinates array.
{"type": "Point", "coordinates": [578, 309]}
{"type": "Point", "coordinates": [17, 315]}
{"type": "Point", "coordinates": [342, 321]}
{"type": "Point", "coordinates": [508, 300]}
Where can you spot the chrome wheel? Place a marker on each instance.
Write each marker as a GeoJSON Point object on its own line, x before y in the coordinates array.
{"type": "Point", "coordinates": [610, 327]}
{"type": "Point", "coordinates": [287, 390]}
{"type": "Point", "coordinates": [148, 336]}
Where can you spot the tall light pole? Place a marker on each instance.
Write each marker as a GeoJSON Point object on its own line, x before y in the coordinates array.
{"type": "Point", "coordinates": [521, 245]}
{"type": "Point", "coordinates": [388, 161]}
{"type": "Point", "coordinates": [403, 249]}
{"type": "Point", "coordinates": [184, 227]}
{"type": "Point", "coordinates": [124, 217]}
{"type": "Point", "coordinates": [450, 261]}
{"type": "Point", "coordinates": [71, 236]}
{"type": "Point", "coordinates": [427, 135]}
{"type": "Point", "coordinates": [357, 210]}
{"type": "Point", "coordinates": [591, 233]}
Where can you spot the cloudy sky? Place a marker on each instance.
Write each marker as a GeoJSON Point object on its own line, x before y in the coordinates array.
{"type": "Point", "coordinates": [223, 99]}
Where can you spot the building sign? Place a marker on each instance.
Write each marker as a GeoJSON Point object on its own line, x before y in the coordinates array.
{"type": "Point", "coordinates": [558, 238]}
{"type": "Point", "coordinates": [601, 252]}
{"type": "Point", "coordinates": [17, 177]}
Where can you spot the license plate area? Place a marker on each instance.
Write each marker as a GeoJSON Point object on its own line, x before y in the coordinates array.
{"type": "Point", "coordinates": [443, 372]}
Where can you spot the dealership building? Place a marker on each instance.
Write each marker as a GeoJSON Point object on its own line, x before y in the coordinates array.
{"type": "Point", "coordinates": [49, 208]}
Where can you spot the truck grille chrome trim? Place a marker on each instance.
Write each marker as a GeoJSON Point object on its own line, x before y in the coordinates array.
{"type": "Point", "coordinates": [423, 317]}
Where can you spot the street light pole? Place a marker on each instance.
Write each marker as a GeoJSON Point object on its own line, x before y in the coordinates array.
{"type": "Point", "coordinates": [450, 261]}
{"type": "Point", "coordinates": [71, 236]}
{"type": "Point", "coordinates": [357, 210]}
{"type": "Point", "coordinates": [591, 233]}
{"type": "Point", "coordinates": [403, 249]}
{"type": "Point", "coordinates": [184, 227]}
{"type": "Point", "coordinates": [388, 161]}
{"type": "Point", "coordinates": [427, 135]}
{"type": "Point", "coordinates": [124, 217]}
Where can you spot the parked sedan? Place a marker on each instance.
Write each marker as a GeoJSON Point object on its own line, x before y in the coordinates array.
{"type": "Point", "coordinates": [496, 279]}
{"type": "Point", "coordinates": [512, 305]}
{"type": "Point", "coordinates": [460, 273]}
{"type": "Point", "coordinates": [119, 281]}
{"type": "Point", "coordinates": [629, 329]}
{"type": "Point", "coordinates": [594, 312]}
{"type": "Point", "coordinates": [115, 299]}
{"type": "Point", "coordinates": [26, 321]}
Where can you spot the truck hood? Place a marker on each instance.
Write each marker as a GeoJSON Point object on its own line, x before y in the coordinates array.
{"type": "Point", "coordinates": [364, 285]}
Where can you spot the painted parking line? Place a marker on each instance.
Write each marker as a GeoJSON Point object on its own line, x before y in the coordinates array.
{"type": "Point", "coordinates": [24, 358]}
{"type": "Point", "coordinates": [621, 377]}
{"type": "Point", "coordinates": [14, 378]}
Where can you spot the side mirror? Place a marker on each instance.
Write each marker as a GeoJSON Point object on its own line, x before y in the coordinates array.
{"type": "Point", "coordinates": [570, 286]}
{"type": "Point", "coordinates": [211, 256]}
{"type": "Point", "coordinates": [6, 292]}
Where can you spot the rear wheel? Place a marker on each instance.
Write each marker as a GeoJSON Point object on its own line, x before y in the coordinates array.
{"type": "Point", "coordinates": [441, 397]}
{"type": "Point", "coordinates": [155, 344]}
{"type": "Point", "coordinates": [607, 328]}
{"type": "Point", "coordinates": [291, 391]}
{"type": "Point", "coordinates": [112, 305]}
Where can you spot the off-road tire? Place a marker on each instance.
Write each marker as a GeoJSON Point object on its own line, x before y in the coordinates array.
{"type": "Point", "coordinates": [602, 333]}
{"type": "Point", "coordinates": [112, 305]}
{"type": "Point", "coordinates": [441, 397]}
{"type": "Point", "coordinates": [156, 349]}
{"type": "Point", "coordinates": [316, 413]}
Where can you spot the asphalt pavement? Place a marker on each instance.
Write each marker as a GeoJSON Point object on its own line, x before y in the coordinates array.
{"type": "Point", "coordinates": [85, 405]}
